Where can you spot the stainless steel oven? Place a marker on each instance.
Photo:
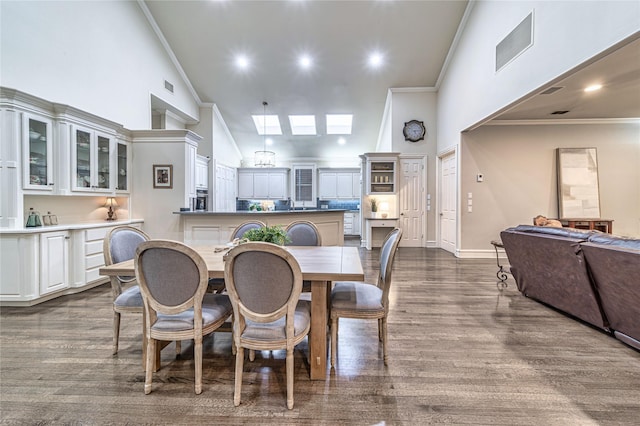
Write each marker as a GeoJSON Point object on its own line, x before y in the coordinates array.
{"type": "Point", "coordinates": [202, 196]}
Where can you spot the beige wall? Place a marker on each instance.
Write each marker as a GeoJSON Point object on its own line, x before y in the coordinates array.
{"type": "Point", "coordinates": [519, 168]}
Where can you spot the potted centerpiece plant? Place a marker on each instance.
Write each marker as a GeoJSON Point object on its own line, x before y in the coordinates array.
{"type": "Point", "coordinates": [275, 234]}
{"type": "Point", "coordinates": [374, 207]}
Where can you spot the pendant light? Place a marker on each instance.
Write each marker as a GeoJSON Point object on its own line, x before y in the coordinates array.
{"type": "Point", "coordinates": [264, 158]}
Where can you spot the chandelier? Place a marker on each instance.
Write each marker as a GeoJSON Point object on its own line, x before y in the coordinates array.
{"type": "Point", "coordinates": [264, 158]}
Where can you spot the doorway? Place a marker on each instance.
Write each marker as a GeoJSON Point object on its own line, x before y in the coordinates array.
{"type": "Point", "coordinates": [412, 201]}
{"type": "Point", "coordinates": [447, 195]}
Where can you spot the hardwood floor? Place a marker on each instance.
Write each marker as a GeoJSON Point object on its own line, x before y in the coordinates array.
{"type": "Point", "coordinates": [461, 352]}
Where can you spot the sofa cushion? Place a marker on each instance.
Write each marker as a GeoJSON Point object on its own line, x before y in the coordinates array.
{"type": "Point", "coordinates": [611, 240]}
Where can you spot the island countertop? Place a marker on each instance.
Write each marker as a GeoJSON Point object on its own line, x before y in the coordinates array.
{"type": "Point", "coordinates": [217, 227]}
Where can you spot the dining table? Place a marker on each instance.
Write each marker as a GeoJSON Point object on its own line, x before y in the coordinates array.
{"type": "Point", "coordinates": [321, 265]}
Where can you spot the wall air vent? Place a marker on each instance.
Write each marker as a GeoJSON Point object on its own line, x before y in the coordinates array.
{"type": "Point", "coordinates": [516, 42]}
{"type": "Point", "coordinates": [551, 90]}
{"type": "Point", "coordinates": [559, 112]}
{"type": "Point", "coordinates": [168, 86]}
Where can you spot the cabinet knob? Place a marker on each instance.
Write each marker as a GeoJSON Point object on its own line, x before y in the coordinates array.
{"type": "Point", "coordinates": [50, 183]}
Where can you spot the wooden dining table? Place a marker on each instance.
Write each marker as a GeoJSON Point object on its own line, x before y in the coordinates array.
{"type": "Point", "coordinates": [319, 264]}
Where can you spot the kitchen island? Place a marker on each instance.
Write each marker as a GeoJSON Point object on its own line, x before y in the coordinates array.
{"type": "Point", "coordinates": [216, 227]}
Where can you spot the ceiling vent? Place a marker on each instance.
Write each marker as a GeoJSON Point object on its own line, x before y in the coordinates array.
{"type": "Point", "coordinates": [168, 86]}
{"type": "Point", "coordinates": [551, 90]}
{"type": "Point", "coordinates": [516, 42]}
{"type": "Point", "coordinates": [559, 112]}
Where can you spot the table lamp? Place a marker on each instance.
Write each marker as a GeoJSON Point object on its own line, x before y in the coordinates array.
{"type": "Point", "coordinates": [111, 203]}
{"type": "Point", "coordinates": [384, 209]}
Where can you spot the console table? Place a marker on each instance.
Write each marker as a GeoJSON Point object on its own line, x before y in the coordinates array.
{"type": "Point", "coordinates": [604, 225]}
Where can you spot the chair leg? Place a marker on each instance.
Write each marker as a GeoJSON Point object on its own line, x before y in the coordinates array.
{"type": "Point", "coordinates": [116, 331]}
{"type": "Point", "coordinates": [334, 339]}
{"type": "Point", "coordinates": [198, 361]}
{"type": "Point", "coordinates": [290, 378]}
{"type": "Point", "coordinates": [238, 383]}
{"type": "Point", "coordinates": [151, 351]}
{"type": "Point", "coordinates": [252, 355]}
{"type": "Point", "coordinates": [380, 329]}
{"type": "Point", "coordinates": [178, 347]}
{"type": "Point", "coordinates": [384, 339]}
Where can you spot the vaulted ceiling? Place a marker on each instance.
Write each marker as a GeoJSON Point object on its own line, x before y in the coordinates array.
{"type": "Point", "coordinates": [412, 37]}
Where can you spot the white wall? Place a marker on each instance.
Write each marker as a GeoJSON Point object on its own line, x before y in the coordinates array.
{"type": "Point", "coordinates": [99, 56]}
{"type": "Point", "coordinates": [519, 168]}
{"type": "Point", "coordinates": [566, 33]}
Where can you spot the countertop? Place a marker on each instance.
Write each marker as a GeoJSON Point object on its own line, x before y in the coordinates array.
{"type": "Point", "coordinates": [69, 226]}
{"type": "Point", "coordinates": [247, 212]}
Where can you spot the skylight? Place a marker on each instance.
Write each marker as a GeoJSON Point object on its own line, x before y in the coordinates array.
{"type": "Point", "coordinates": [272, 124]}
{"type": "Point", "coordinates": [303, 124]}
{"type": "Point", "coordinates": [339, 124]}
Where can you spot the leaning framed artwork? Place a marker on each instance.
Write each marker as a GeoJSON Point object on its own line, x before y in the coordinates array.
{"type": "Point", "coordinates": [578, 189]}
{"type": "Point", "coordinates": [163, 176]}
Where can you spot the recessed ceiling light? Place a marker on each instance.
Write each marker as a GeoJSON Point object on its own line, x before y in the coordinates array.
{"type": "Point", "coordinates": [305, 62]}
{"type": "Point", "coordinates": [375, 59]}
{"type": "Point", "coordinates": [268, 141]}
{"type": "Point", "coordinates": [342, 141]}
{"type": "Point", "coordinates": [303, 124]}
{"type": "Point", "coordinates": [339, 124]}
{"type": "Point", "coordinates": [242, 62]}
{"type": "Point", "coordinates": [593, 88]}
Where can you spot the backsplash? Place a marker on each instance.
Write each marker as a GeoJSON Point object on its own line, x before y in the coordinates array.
{"type": "Point", "coordinates": [284, 205]}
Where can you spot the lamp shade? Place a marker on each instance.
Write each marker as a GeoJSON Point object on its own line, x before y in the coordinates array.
{"type": "Point", "coordinates": [111, 202]}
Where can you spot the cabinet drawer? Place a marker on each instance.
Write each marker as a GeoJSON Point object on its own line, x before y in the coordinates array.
{"type": "Point", "coordinates": [96, 233]}
{"type": "Point", "coordinates": [93, 247]}
{"type": "Point", "coordinates": [93, 275]}
{"type": "Point", "coordinates": [384, 223]}
{"type": "Point", "coordinates": [94, 261]}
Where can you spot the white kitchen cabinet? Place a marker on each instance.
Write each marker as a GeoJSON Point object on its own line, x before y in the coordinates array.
{"type": "Point", "coordinates": [263, 184]}
{"type": "Point", "coordinates": [54, 261]}
{"type": "Point", "coordinates": [339, 184]}
{"type": "Point", "coordinates": [351, 223]}
{"type": "Point", "coordinates": [356, 223]}
{"type": "Point", "coordinates": [202, 172]}
{"type": "Point", "coordinates": [37, 136]}
{"type": "Point", "coordinates": [225, 188]}
{"type": "Point", "coordinates": [303, 185]}
{"type": "Point", "coordinates": [190, 170]}
{"type": "Point", "coordinates": [91, 160]}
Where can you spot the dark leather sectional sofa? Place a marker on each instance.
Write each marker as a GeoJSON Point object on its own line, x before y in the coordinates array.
{"type": "Point", "coordinates": [589, 275]}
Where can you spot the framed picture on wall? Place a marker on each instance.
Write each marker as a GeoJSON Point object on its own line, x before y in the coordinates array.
{"type": "Point", "coordinates": [578, 189]}
{"type": "Point", "coordinates": [163, 176]}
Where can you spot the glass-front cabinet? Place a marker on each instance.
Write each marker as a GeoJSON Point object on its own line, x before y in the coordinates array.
{"type": "Point", "coordinates": [122, 160]}
{"type": "Point", "coordinates": [91, 160]}
{"type": "Point", "coordinates": [38, 153]}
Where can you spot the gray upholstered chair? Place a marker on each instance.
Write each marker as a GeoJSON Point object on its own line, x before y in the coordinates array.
{"type": "Point", "coordinates": [216, 285]}
{"type": "Point", "coordinates": [244, 227]}
{"type": "Point", "coordinates": [264, 283]}
{"type": "Point", "coordinates": [119, 245]}
{"type": "Point", "coordinates": [303, 233]}
{"type": "Point", "coordinates": [173, 281]}
{"type": "Point", "coordinates": [366, 301]}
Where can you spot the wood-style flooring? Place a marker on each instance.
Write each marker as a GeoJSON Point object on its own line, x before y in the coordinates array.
{"type": "Point", "coordinates": [462, 351]}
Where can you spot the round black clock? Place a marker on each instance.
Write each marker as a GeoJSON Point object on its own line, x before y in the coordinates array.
{"type": "Point", "coordinates": [414, 131]}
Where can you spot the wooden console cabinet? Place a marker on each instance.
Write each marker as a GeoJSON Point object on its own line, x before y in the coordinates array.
{"type": "Point", "coordinates": [604, 225]}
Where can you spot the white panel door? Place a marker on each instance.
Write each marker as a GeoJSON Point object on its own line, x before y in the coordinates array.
{"type": "Point", "coordinates": [448, 179]}
{"type": "Point", "coordinates": [412, 201]}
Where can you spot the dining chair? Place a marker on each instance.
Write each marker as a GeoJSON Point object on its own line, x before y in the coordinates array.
{"type": "Point", "coordinates": [264, 283]}
{"type": "Point", "coordinates": [119, 245]}
{"type": "Point", "coordinates": [173, 281]}
{"type": "Point", "coordinates": [303, 233]}
{"type": "Point", "coordinates": [360, 300]}
{"type": "Point", "coordinates": [216, 285]}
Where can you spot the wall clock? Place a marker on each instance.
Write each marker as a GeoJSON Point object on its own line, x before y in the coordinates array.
{"type": "Point", "coordinates": [414, 131]}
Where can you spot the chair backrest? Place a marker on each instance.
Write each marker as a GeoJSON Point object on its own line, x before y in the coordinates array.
{"type": "Point", "coordinates": [264, 283]}
{"type": "Point", "coordinates": [172, 277]}
{"type": "Point", "coordinates": [303, 233]}
{"type": "Point", "coordinates": [120, 244]}
{"type": "Point", "coordinates": [387, 255]}
{"type": "Point", "coordinates": [244, 227]}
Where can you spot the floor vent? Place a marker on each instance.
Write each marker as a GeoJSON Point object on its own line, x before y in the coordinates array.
{"type": "Point", "coordinates": [168, 86]}
{"type": "Point", "coordinates": [515, 43]}
{"type": "Point", "coordinates": [559, 112]}
{"type": "Point", "coordinates": [551, 90]}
